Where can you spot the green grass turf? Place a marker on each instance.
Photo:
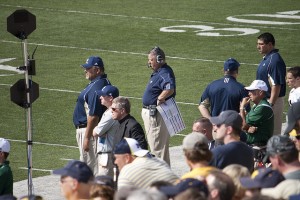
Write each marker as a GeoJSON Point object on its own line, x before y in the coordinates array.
{"type": "Point", "coordinates": [122, 32]}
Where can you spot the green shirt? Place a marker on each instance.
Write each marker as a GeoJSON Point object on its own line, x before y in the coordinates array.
{"type": "Point", "coordinates": [6, 179]}
{"type": "Point", "coordinates": [262, 117]}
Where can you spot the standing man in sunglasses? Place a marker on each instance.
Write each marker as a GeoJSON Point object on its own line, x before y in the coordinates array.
{"type": "Point", "coordinates": [160, 88]}
{"type": "Point", "coordinates": [128, 127]}
{"type": "Point", "coordinates": [88, 111]}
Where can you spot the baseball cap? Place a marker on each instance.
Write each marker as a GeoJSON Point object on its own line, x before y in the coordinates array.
{"type": "Point", "coordinates": [229, 118]}
{"type": "Point", "coordinates": [231, 64]}
{"type": "Point", "coordinates": [104, 180]}
{"type": "Point", "coordinates": [108, 90]}
{"type": "Point", "coordinates": [130, 146]}
{"type": "Point", "coordinates": [77, 170]}
{"type": "Point", "coordinates": [262, 178]}
{"type": "Point", "coordinates": [183, 185]}
{"type": "Point", "coordinates": [93, 61]}
{"type": "Point", "coordinates": [293, 116]}
{"type": "Point", "coordinates": [258, 85]}
{"type": "Point", "coordinates": [4, 145]}
{"type": "Point", "coordinates": [191, 139]}
{"type": "Point", "coordinates": [278, 144]}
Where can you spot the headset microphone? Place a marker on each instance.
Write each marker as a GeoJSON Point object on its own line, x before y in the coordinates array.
{"type": "Point", "coordinates": [148, 65]}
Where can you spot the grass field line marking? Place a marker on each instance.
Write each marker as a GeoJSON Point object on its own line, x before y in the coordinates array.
{"type": "Point", "coordinates": [35, 169]}
{"type": "Point", "coordinates": [140, 17]}
{"type": "Point", "coordinates": [71, 91]}
{"type": "Point", "coordinates": [43, 143]}
{"type": "Point", "coordinates": [121, 52]}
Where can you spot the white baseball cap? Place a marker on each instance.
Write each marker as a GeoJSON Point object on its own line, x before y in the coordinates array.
{"type": "Point", "coordinates": [130, 146]}
{"type": "Point", "coordinates": [4, 145]}
{"type": "Point", "coordinates": [258, 85]}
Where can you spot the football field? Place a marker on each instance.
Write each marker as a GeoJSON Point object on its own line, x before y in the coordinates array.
{"type": "Point", "coordinates": [196, 36]}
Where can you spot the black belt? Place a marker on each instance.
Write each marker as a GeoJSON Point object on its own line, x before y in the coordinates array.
{"type": "Point", "coordinates": [104, 152]}
{"type": "Point", "coordinates": [148, 107]}
{"type": "Point", "coordinates": [81, 126]}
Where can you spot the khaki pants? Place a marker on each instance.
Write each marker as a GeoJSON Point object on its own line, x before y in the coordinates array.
{"type": "Point", "coordinates": [90, 158]}
{"type": "Point", "coordinates": [157, 135]}
{"type": "Point", "coordinates": [108, 169]}
{"type": "Point", "coordinates": [278, 111]}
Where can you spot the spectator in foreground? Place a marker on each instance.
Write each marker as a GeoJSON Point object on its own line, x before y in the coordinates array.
{"type": "Point", "coordinates": [76, 180]}
{"type": "Point", "coordinates": [6, 176]}
{"type": "Point", "coordinates": [138, 167]}
{"type": "Point", "coordinates": [228, 127]}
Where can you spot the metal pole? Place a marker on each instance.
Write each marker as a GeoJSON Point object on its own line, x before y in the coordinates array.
{"type": "Point", "coordinates": [29, 118]}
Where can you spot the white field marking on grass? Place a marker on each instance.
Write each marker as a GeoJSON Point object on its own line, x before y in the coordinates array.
{"type": "Point", "coordinates": [121, 52]}
{"type": "Point", "coordinates": [67, 159]}
{"type": "Point", "coordinates": [35, 169]}
{"type": "Point", "coordinates": [43, 143]}
{"type": "Point", "coordinates": [135, 17]}
{"type": "Point", "coordinates": [71, 91]}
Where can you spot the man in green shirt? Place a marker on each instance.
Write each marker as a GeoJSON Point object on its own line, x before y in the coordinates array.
{"type": "Point", "coordinates": [259, 122]}
{"type": "Point", "coordinates": [6, 177]}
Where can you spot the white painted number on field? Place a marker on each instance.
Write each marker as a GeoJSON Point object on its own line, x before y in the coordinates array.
{"type": "Point", "coordinates": [283, 18]}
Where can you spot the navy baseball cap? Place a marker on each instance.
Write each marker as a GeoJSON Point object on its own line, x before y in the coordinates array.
{"type": "Point", "coordinates": [183, 185]}
{"type": "Point", "coordinates": [293, 117]}
{"type": "Point", "coordinates": [108, 90]}
{"type": "Point", "coordinates": [229, 118]}
{"type": "Point", "coordinates": [231, 65]}
{"type": "Point", "coordinates": [93, 61]}
{"type": "Point", "coordinates": [130, 146]}
{"type": "Point", "coordinates": [77, 170]}
{"type": "Point", "coordinates": [262, 178]}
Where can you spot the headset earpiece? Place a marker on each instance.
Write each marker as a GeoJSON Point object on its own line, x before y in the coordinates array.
{"type": "Point", "coordinates": [159, 54]}
{"type": "Point", "coordinates": [159, 59]}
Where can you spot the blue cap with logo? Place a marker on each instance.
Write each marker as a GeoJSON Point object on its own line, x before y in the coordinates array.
{"type": "Point", "coordinates": [231, 64]}
{"type": "Point", "coordinates": [108, 90]}
{"type": "Point", "coordinates": [93, 61]}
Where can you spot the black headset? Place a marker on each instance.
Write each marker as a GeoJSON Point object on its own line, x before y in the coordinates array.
{"type": "Point", "coordinates": [159, 54]}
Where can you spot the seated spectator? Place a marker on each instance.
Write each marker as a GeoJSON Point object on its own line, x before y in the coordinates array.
{"type": "Point", "coordinates": [283, 155]}
{"type": "Point", "coordinates": [197, 155]}
{"type": "Point", "coordinates": [259, 121]}
{"type": "Point", "coordinates": [143, 194]}
{"type": "Point", "coordinates": [261, 178]}
{"type": "Point", "coordinates": [220, 186]}
{"type": "Point", "coordinates": [76, 180]}
{"type": "Point", "coordinates": [138, 167]}
{"type": "Point", "coordinates": [293, 125]}
{"type": "Point", "coordinates": [228, 127]}
{"type": "Point", "coordinates": [6, 176]}
{"type": "Point", "coordinates": [236, 171]}
{"type": "Point", "coordinates": [204, 126]}
{"type": "Point", "coordinates": [293, 81]}
{"type": "Point", "coordinates": [184, 184]}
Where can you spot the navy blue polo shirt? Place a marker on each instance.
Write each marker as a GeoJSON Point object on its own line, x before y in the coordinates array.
{"type": "Point", "coordinates": [224, 94]}
{"type": "Point", "coordinates": [272, 68]}
{"type": "Point", "coordinates": [162, 79]}
{"type": "Point", "coordinates": [89, 96]}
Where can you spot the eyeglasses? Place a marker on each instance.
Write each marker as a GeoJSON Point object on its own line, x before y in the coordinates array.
{"type": "Point", "coordinates": [114, 109]}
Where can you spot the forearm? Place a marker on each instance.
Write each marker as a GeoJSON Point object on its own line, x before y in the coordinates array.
{"type": "Point", "coordinates": [92, 122]}
{"type": "Point", "coordinates": [164, 95]}
{"type": "Point", "coordinates": [204, 111]}
{"type": "Point", "coordinates": [275, 90]}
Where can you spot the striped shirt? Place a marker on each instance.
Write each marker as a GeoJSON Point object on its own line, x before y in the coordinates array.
{"type": "Point", "coordinates": [143, 171]}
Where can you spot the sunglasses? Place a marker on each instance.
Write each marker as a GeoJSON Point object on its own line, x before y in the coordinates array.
{"type": "Point", "coordinates": [114, 109]}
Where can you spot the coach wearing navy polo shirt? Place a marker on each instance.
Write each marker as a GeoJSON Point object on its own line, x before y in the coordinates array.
{"type": "Point", "coordinates": [272, 71]}
{"type": "Point", "coordinates": [161, 87]}
{"type": "Point", "coordinates": [88, 111]}
{"type": "Point", "coordinates": [223, 94]}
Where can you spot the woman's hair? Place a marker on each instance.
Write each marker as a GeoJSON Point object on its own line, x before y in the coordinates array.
{"type": "Point", "coordinates": [200, 152]}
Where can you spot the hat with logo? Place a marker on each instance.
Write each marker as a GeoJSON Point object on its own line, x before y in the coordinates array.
{"type": "Point", "coordinates": [130, 146]}
{"type": "Point", "coordinates": [191, 139]}
{"type": "Point", "coordinates": [258, 85]}
{"type": "Point", "coordinates": [293, 117]}
{"type": "Point", "coordinates": [278, 144]}
{"type": "Point", "coordinates": [231, 65]}
{"type": "Point", "coordinates": [229, 118]}
{"type": "Point", "coordinates": [93, 61]}
{"type": "Point", "coordinates": [108, 90]}
{"type": "Point", "coordinates": [262, 178]}
{"type": "Point", "coordinates": [183, 185]}
{"type": "Point", "coordinates": [4, 145]}
{"type": "Point", "coordinates": [77, 170]}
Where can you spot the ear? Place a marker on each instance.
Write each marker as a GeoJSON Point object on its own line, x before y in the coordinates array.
{"type": "Point", "coordinates": [214, 193]}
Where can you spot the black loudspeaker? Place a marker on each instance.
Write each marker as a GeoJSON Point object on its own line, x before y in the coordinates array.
{"type": "Point", "coordinates": [159, 54]}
